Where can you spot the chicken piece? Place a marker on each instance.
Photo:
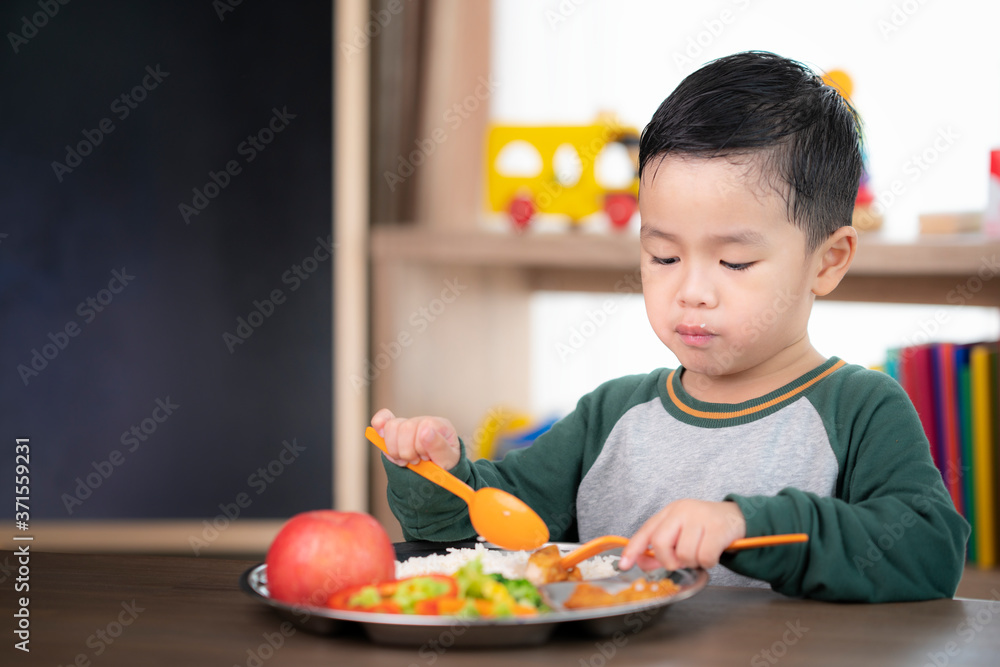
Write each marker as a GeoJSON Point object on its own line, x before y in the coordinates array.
{"type": "Point", "coordinates": [544, 567]}
{"type": "Point", "coordinates": [647, 590]}
{"type": "Point", "coordinates": [587, 595]}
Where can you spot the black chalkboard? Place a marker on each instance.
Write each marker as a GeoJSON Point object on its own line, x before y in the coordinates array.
{"type": "Point", "coordinates": [165, 259]}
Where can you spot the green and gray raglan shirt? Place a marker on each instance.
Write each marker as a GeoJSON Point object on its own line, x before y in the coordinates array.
{"type": "Point", "coordinates": [839, 454]}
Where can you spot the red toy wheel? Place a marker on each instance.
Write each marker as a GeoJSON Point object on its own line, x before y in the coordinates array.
{"type": "Point", "coordinates": [522, 210]}
{"type": "Point", "coordinates": [620, 208]}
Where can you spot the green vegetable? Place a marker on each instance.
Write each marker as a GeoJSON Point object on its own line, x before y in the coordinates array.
{"type": "Point", "coordinates": [500, 593]}
{"type": "Point", "coordinates": [470, 579]}
{"type": "Point", "coordinates": [366, 597]}
{"type": "Point", "coordinates": [523, 591]}
{"type": "Point", "coordinates": [411, 591]}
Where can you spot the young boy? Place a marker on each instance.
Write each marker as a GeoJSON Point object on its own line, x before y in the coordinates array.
{"type": "Point", "coordinates": [749, 171]}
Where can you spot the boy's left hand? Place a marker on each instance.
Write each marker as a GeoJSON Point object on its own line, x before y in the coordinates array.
{"type": "Point", "coordinates": [685, 533]}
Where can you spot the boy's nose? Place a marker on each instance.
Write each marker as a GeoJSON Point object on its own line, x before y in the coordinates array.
{"type": "Point", "coordinates": [695, 291]}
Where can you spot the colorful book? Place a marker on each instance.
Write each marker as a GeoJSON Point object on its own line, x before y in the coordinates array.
{"type": "Point", "coordinates": [981, 367]}
{"type": "Point", "coordinates": [995, 472]}
{"type": "Point", "coordinates": [955, 390]}
{"type": "Point", "coordinates": [918, 381]}
{"type": "Point", "coordinates": [962, 371]}
{"type": "Point", "coordinates": [994, 456]}
{"type": "Point", "coordinates": [892, 364]}
{"type": "Point", "coordinates": [949, 433]}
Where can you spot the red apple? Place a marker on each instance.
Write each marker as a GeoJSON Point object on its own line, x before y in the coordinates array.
{"type": "Point", "coordinates": [318, 553]}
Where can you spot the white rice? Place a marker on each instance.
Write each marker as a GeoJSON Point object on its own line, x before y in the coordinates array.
{"type": "Point", "coordinates": [510, 564]}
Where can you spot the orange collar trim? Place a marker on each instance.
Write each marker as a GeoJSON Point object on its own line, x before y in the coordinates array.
{"type": "Point", "coordinates": [746, 411]}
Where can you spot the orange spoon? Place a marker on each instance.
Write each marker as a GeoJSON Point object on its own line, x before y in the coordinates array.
{"type": "Point", "coordinates": [599, 544]}
{"type": "Point", "coordinates": [498, 516]}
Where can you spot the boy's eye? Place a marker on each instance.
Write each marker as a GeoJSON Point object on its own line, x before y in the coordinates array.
{"type": "Point", "coordinates": [666, 261]}
{"type": "Point", "coordinates": [737, 266]}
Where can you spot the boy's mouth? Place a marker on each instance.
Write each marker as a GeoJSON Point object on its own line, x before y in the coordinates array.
{"type": "Point", "coordinates": [695, 335]}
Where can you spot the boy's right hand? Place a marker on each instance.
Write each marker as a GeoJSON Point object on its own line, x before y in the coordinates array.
{"type": "Point", "coordinates": [418, 439]}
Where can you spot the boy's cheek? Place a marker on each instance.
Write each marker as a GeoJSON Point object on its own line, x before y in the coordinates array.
{"type": "Point", "coordinates": [750, 332]}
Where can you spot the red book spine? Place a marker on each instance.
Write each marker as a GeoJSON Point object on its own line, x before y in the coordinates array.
{"type": "Point", "coordinates": [922, 394]}
{"type": "Point", "coordinates": [948, 412]}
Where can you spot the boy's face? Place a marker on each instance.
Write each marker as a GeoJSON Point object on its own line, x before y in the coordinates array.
{"type": "Point", "coordinates": [725, 275]}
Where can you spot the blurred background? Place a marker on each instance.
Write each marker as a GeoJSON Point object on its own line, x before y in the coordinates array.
{"type": "Point", "coordinates": [428, 300]}
{"type": "Point", "coordinates": [549, 307]}
{"type": "Point", "coordinates": [563, 63]}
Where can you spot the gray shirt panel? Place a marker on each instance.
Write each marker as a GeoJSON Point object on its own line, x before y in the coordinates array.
{"type": "Point", "coordinates": [651, 459]}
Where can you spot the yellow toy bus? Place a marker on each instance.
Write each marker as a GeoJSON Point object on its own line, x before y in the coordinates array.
{"type": "Point", "coordinates": [554, 169]}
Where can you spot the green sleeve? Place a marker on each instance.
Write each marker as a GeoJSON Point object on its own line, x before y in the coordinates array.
{"type": "Point", "coordinates": [545, 475]}
{"type": "Point", "coordinates": [890, 533]}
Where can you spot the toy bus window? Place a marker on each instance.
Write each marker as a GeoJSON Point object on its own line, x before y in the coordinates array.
{"type": "Point", "coordinates": [614, 167]}
{"type": "Point", "coordinates": [567, 165]}
{"type": "Point", "coordinates": [518, 159]}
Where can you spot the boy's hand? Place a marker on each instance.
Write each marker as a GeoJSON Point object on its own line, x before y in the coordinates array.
{"type": "Point", "coordinates": [685, 533]}
{"type": "Point", "coordinates": [418, 439]}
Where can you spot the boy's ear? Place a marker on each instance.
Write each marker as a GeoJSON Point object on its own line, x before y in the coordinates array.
{"type": "Point", "coordinates": [834, 259]}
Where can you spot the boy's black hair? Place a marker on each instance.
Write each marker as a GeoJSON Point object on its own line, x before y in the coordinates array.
{"type": "Point", "coordinates": [802, 135]}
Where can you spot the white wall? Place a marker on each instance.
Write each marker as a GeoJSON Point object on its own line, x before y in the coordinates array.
{"type": "Point", "coordinates": [919, 69]}
{"type": "Point", "coordinates": [562, 61]}
{"type": "Point", "coordinates": [578, 341]}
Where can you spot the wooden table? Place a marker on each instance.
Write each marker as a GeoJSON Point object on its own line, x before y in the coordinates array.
{"type": "Point", "coordinates": [106, 610]}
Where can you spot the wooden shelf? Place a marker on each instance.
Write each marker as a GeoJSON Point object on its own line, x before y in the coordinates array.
{"type": "Point", "coordinates": [571, 250]}
{"type": "Point", "coordinates": [947, 255]}
{"type": "Point", "coordinates": [960, 254]}
{"type": "Point", "coordinates": [929, 270]}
